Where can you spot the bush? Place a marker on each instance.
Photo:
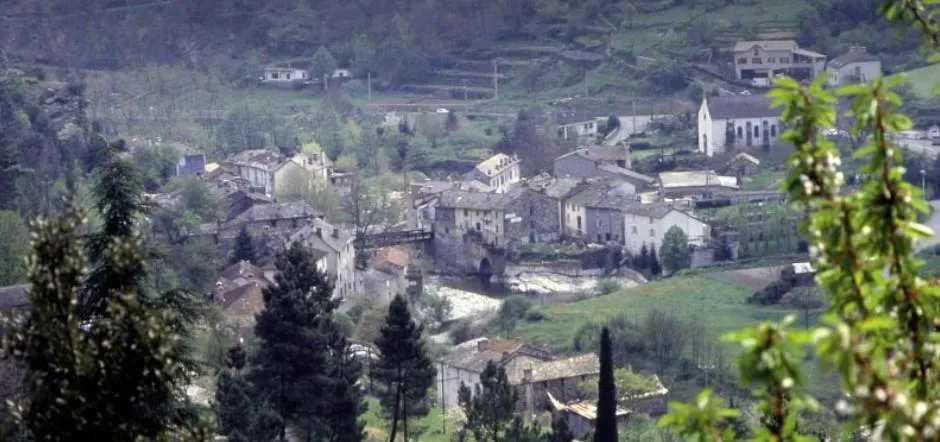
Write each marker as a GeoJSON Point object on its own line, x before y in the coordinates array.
{"type": "Point", "coordinates": [344, 323]}
{"type": "Point", "coordinates": [464, 331]}
{"type": "Point", "coordinates": [536, 315]}
{"type": "Point", "coordinates": [771, 294]}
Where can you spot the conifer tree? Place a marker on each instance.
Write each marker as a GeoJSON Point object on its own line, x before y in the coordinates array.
{"type": "Point", "coordinates": [655, 268]}
{"type": "Point", "coordinates": [519, 431]}
{"type": "Point", "coordinates": [233, 395]}
{"type": "Point", "coordinates": [489, 407]}
{"type": "Point", "coordinates": [606, 429]}
{"type": "Point", "coordinates": [301, 362]}
{"type": "Point", "coordinates": [113, 378]}
{"type": "Point", "coordinates": [405, 370]}
{"type": "Point", "coordinates": [346, 396]}
{"type": "Point", "coordinates": [643, 261]}
{"type": "Point", "coordinates": [244, 249]}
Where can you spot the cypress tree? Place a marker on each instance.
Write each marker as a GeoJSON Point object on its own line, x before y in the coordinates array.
{"type": "Point", "coordinates": [405, 370]}
{"type": "Point", "coordinates": [244, 249]}
{"type": "Point", "coordinates": [606, 430]}
{"type": "Point", "coordinates": [655, 268]}
{"type": "Point", "coordinates": [643, 261]}
{"type": "Point", "coordinates": [301, 362]}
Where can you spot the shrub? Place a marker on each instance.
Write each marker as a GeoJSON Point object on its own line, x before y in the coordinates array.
{"type": "Point", "coordinates": [607, 287]}
{"type": "Point", "coordinates": [536, 315]}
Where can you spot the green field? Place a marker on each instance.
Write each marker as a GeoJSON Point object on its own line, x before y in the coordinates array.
{"type": "Point", "coordinates": [765, 180]}
{"type": "Point", "coordinates": [924, 80]}
{"type": "Point", "coordinates": [377, 425]}
{"type": "Point", "coordinates": [718, 298]}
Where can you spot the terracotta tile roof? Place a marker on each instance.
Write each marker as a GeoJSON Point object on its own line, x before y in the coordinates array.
{"type": "Point", "coordinates": [243, 302]}
{"type": "Point", "coordinates": [389, 255]}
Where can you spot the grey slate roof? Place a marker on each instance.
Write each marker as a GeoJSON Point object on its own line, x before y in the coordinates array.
{"type": "Point", "coordinates": [462, 199]}
{"type": "Point", "coordinates": [277, 211]}
{"type": "Point", "coordinates": [336, 241]}
{"type": "Point", "coordinates": [602, 196]}
{"type": "Point", "coordinates": [14, 297]}
{"type": "Point", "coordinates": [654, 210]}
{"type": "Point", "coordinates": [627, 173]}
{"type": "Point", "coordinates": [853, 56]}
{"type": "Point", "coordinates": [726, 107]}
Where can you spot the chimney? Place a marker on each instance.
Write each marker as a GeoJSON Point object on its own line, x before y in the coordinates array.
{"type": "Point", "coordinates": [335, 232]}
{"type": "Point", "coordinates": [320, 232]}
{"type": "Point", "coordinates": [483, 344]}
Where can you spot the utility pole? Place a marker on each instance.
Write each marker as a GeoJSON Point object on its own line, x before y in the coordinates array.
{"type": "Point", "coordinates": [443, 402]}
{"type": "Point", "coordinates": [495, 81]}
{"type": "Point", "coordinates": [369, 85]}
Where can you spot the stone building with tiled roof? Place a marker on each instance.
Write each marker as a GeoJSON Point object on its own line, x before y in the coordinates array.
{"type": "Point", "coordinates": [855, 66]}
{"type": "Point", "coordinates": [533, 372]}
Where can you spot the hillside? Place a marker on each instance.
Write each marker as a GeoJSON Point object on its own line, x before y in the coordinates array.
{"type": "Point", "coordinates": [542, 50]}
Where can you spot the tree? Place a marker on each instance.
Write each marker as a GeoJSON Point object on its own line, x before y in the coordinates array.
{"type": "Point", "coordinates": [665, 337]}
{"type": "Point", "coordinates": [880, 311]}
{"type": "Point", "coordinates": [244, 128]}
{"type": "Point", "coordinates": [643, 261]}
{"type": "Point", "coordinates": [489, 407]}
{"type": "Point", "coordinates": [675, 250]}
{"type": "Point", "coordinates": [233, 395]}
{"type": "Point", "coordinates": [299, 368]}
{"type": "Point", "coordinates": [244, 247]}
{"type": "Point", "coordinates": [805, 299]}
{"type": "Point", "coordinates": [560, 431]}
{"type": "Point", "coordinates": [13, 248]}
{"type": "Point", "coordinates": [606, 429]}
{"type": "Point", "coordinates": [363, 55]}
{"type": "Point", "coordinates": [111, 379]}
{"type": "Point", "coordinates": [323, 65]}
{"type": "Point", "coordinates": [519, 431]}
{"type": "Point", "coordinates": [452, 124]}
{"type": "Point", "coordinates": [405, 370]}
{"type": "Point", "coordinates": [723, 251]}
{"type": "Point", "coordinates": [655, 268]}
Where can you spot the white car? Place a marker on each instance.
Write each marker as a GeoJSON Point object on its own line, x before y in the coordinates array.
{"type": "Point", "coordinates": [441, 110]}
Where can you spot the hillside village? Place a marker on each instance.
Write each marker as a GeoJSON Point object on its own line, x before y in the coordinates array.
{"type": "Point", "coordinates": [519, 223]}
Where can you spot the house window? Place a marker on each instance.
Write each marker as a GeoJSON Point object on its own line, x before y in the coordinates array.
{"type": "Point", "coordinates": [607, 236]}
{"type": "Point", "coordinates": [756, 131]}
{"type": "Point", "coordinates": [579, 223]}
{"type": "Point", "coordinates": [599, 237]}
{"type": "Point", "coordinates": [531, 211]}
{"type": "Point", "coordinates": [466, 212]}
{"type": "Point", "coordinates": [742, 60]}
{"type": "Point", "coordinates": [478, 227]}
{"type": "Point", "coordinates": [771, 59]}
{"type": "Point", "coordinates": [274, 75]}
{"type": "Point", "coordinates": [756, 60]}
{"type": "Point", "coordinates": [773, 130]}
{"type": "Point", "coordinates": [784, 59]}
{"type": "Point", "coordinates": [633, 230]}
{"type": "Point", "coordinates": [756, 51]}
{"type": "Point", "coordinates": [652, 233]}
{"type": "Point", "coordinates": [287, 76]}
{"type": "Point", "coordinates": [740, 132]}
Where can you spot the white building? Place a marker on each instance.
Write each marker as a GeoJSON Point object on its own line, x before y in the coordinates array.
{"type": "Point", "coordinates": [764, 59]}
{"type": "Point", "coordinates": [499, 171]}
{"type": "Point", "coordinates": [732, 122]}
{"type": "Point", "coordinates": [271, 171]}
{"type": "Point", "coordinates": [275, 74]}
{"type": "Point", "coordinates": [647, 224]}
{"type": "Point", "coordinates": [855, 66]}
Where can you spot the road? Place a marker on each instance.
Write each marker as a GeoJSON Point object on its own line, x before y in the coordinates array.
{"type": "Point", "coordinates": [629, 125]}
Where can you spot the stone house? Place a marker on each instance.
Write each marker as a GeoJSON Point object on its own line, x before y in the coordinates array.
{"type": "Point", "coordinates": [764, 59]}
{"type": "Point", "coordinates": [696, 184]}
{"type": "Point", "coordinates": [600, 162]}
{"type": "Point", "coordinates": [581, 416]}
{"type": "Point", "coordinates": [532, 215]}
{"type": "Point", "coordinates": [425, 195]}
{"type": "Point", "coordinates": [855, 66]}
{"type": "Point", "coordinates": [276, 173]}
{"type": "Point", "coordinates": [267, 219]}
{"type": "Point", "coordinates": [743, 164]}
{"type": "Point", "coordinates": [385, 275]}
{"type": "Point", "coordinates": [499, 171]}
{"type": "Point", "coordinates": [647, 224]}
{"type": "Point", "coordinates": [459, 212]}
{"type": "Point", "coordinates": [558, 190]}
{"type": "Point", "coordinates": [595, 212]}
{"type": "Point", "coordinates": [533, 372]}
{"type": "Point", "coordinates": [340, 254]}
{"type": "Point", "coordinates": [730, 122]}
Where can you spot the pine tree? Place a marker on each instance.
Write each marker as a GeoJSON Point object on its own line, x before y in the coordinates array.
{"type": "Point", "coordinates": [244, 249]}
{"type": "Point", "coordinates": [518, 431]}
{"type": "Point", "coordinates": [301, 362]}
{"type": "Point", "coordinates": [346, 396]}
{"type": "Point", "coordinates": [489, 407]}
{"type": "Point", "coordinates": [655, 268]}
{"type": "Point", "coordinates": [233, 396]}
{"type": "Point", "coordinates": [560, 431]}
{"type": "Point", "coordinates": [606, 429]}
{"type": "Point", "coordinates": [110, 379]}
{"type": "Point", "coordinates": [405, 370]}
